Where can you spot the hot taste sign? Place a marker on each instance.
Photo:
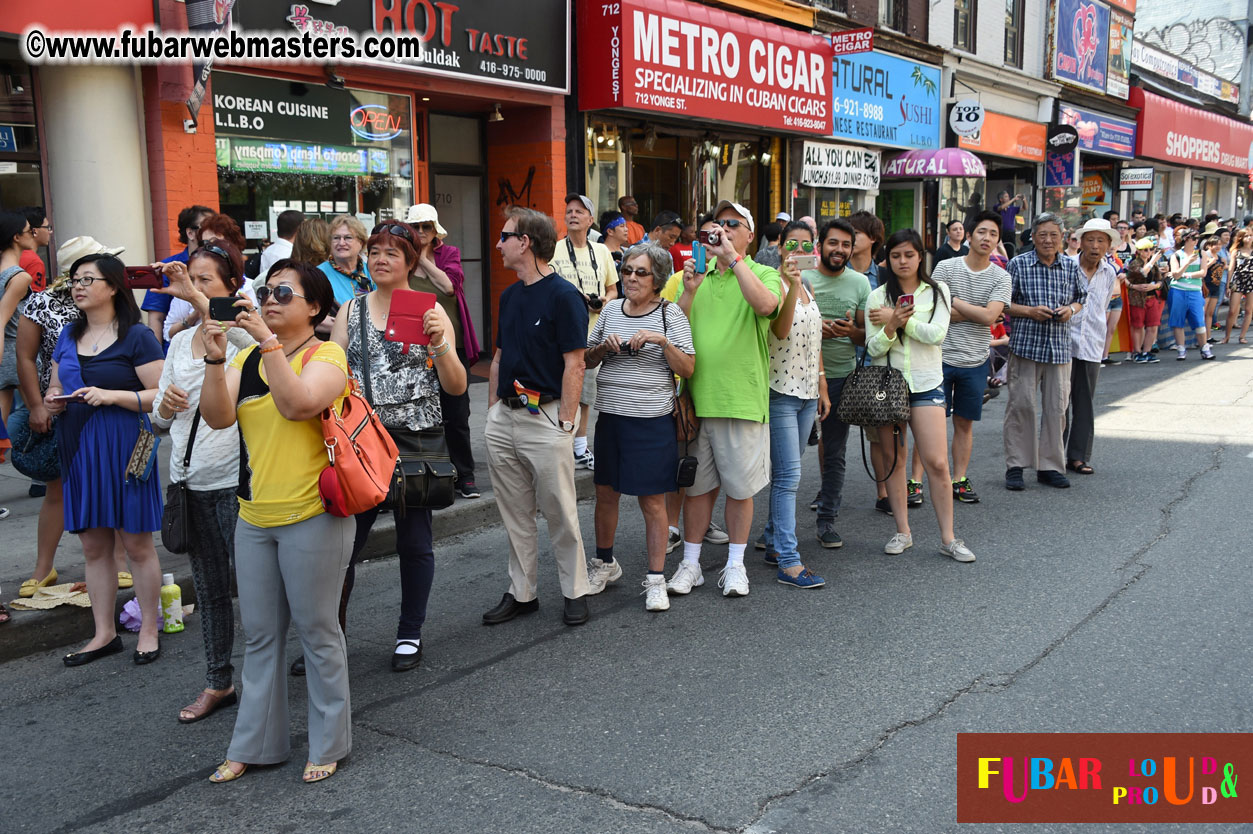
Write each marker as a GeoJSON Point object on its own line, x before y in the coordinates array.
{"type": "Point", "coordinates": [696, 61]}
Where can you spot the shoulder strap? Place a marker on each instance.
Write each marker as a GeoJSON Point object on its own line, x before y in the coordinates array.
{"type": "Point", "coordinates": [191, 440]}
{"type": "Point", "coordinates": [664, 302]}
{"type": "Point", "coordinates": [364, 317]}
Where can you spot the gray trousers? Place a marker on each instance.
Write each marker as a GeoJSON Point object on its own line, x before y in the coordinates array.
{"type": "Point", "coordinates": [1048, 386]}
{"type": "Point", "coordinates": [285, 574]}
{"type": "Point", "coordinates": [1081, 418]}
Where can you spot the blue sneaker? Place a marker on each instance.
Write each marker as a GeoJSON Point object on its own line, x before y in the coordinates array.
{"type": "Point", "coordinates": [804, 579]}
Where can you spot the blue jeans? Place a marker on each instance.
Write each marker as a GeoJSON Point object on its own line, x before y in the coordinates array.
{"type": "Point", "coordinates": [791, 420]}
{"type": "Point", "coordinates": [834, 440]}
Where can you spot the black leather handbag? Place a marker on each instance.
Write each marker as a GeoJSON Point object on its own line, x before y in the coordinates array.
{"type": "Point", "coordinates": [175, 526]}
{"type": "Point", "coordinates": [424, 478]}
{"type": "Point", "coordinates": [874, 395]}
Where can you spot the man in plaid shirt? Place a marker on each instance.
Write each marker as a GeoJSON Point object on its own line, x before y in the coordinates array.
{"type": "Point", "coordinates": [1047, 292]}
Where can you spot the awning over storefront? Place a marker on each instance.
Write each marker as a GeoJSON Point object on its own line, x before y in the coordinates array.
{"type": "Point", "coordinates": [1175, 132]}
{"type": "Point", "coordinates": [1006, 136]}
{"type": "Point", "coordinates": [946, 162]}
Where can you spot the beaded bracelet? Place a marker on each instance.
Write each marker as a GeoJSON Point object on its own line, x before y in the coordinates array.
{"type": "Point", "coordinates": [273, 336]}
{"type": "Point", "coordinates": [271, 349]}
{"type": "Point", "coordinates": [437, 352]}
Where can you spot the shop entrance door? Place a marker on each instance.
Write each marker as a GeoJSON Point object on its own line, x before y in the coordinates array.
{"type": "Point", "coordinates": [459, 200]}
{"type": "Point", "coordinates": [896, 208]}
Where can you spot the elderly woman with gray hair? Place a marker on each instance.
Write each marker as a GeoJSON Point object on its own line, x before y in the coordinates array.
{"type": "Point", "coordinates": [640, 341]}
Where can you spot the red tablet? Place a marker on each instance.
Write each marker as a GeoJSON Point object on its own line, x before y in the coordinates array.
{"type": "Point", "coordinates": [404, 317]}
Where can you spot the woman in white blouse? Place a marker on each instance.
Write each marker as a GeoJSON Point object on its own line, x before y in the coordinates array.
{"type": "Point", "coordinates": [215, 270]}
{"type": "Point", "coordinates": [798, 395]}
{"type": "Point", "coordinates": [907, 318]}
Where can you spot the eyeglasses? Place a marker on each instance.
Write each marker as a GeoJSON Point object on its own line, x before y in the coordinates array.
{"type": "Point", "coordinates": [343, 238]}
{"type": "Point", "coordinates": [46, 227]}
{"type": "Point", "coordinates": [282, 294]}
{"type": "Point", "coordinates": [805, 245]}
{"type": "Point", "coordinates": [730, 223]}
{"type": "Point", "coordinates": [641, 271]}
{"type": "Point", "coordinates": [393, 229]}
{"type": "Point", "coordinates": [504, 236]}
{"type": "Point", "coordinates": [84, 282]}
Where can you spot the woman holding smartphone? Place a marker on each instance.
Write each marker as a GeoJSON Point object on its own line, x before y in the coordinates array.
{"type": "Point", "coordinates": [907, 319]}
{"type": "Point", "coordinates": [211, 475]}
{"type": "Point", "coordinates": [405, 389]}
{"type": "Point", "coordinates": [105, 370]}
{"type": "Point", "coordinates": [798, 395]}
{"type": "Point", "coordinates": [290, 554]}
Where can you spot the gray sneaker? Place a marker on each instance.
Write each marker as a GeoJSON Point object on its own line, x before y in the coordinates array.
{"type": "Point", "coordinates": [673, 541]}
{"type": "Point", "coordinates": [898, 544]}
{"type": "Point", "coordinates": [716, 535]}
{"type": "Point", "coordinates": [957, 550]}
{"type": "Point", "coordinates": [829, 538]}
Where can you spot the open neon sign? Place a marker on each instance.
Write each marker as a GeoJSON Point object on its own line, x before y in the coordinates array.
{"type": "Point", "coordinates": [375, 123]}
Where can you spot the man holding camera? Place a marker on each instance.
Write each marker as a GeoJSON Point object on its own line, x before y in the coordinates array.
{"type": "Point", "coordinates": [590, 267]}
{"type": "Point", "coordinates": [730, 310]}
{"type": "Point", "coordinates": [1047, 292]}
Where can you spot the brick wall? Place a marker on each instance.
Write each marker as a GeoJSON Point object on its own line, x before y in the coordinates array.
{"type": "Point", "coordinates": [866, 13]}
{"type": "Point", "coordinates": [526, 165]}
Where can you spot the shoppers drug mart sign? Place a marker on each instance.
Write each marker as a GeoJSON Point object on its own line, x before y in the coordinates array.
{"type": "Point", "coordinates": [699, 62]}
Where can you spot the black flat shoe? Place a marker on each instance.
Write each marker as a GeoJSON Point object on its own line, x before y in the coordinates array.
{"type": "Point", "coordinates": [405, 662]}
{"type": "Point", "coordinates": [144, 658]}
{"type": "Point", "coordinates": [576, 612]}
{"type": "Point", "coordinates": [508, 609]}
{"type": "Point", "coordinates": [83, 658]}
{"type": "Point", "coordinates": [1053, 478]}
{"type": "Point", "coordinates": [298, 666]}
{"type": "Point", "coordinates": [1013, 479]}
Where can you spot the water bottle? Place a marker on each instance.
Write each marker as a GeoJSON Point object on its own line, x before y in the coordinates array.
{"type": "Point", "coordinates": [171, 604]}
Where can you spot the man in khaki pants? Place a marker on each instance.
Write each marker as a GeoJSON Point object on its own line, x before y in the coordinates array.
{"type": "Point", "coordinates": [533, 396]}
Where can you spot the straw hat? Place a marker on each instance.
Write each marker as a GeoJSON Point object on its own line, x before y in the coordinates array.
{"type": "Point", "coordinates": [425, 213]}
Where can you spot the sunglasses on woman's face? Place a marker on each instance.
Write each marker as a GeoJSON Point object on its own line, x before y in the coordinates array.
{"type": "Point", "coordinates": [393, 229]}
{"type": "Point", "coordinates": [641, 271]}
{"type": "Point", "coordinates": [805, 245]}
{"type": "Point", "coordinates": [282, 294]}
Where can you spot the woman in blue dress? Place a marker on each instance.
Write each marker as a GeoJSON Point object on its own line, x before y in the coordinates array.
{"type": "Point", "coordinates": [109, 365]}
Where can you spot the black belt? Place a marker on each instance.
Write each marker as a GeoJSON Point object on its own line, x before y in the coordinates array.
{"type": "Point", "coordinates": [516, 402]}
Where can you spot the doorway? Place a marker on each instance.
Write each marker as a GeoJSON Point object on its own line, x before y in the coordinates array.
{"type": "Point", "coordinates": [459, 193]}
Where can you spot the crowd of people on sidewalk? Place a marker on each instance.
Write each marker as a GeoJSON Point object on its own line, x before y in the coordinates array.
{"type": "Point", "coordinates": [709, 369]}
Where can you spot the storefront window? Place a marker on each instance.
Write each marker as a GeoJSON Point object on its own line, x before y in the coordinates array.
{"type": "Point", "coordinates": [284, 145]}
{"type": "Point", "coordinates": [961, 198]}
{"type": "Point", "coordinates": [1204, 195]}
{"type": "Point", "coordinates": [21, 183]}
{"type": "Point", "coordinates": [606, 164]}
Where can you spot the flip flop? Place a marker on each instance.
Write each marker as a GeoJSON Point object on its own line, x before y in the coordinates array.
{"type": "Point", "coordinates": [225, 774]}
{"type": "Point", "coordinates": [317, 772]}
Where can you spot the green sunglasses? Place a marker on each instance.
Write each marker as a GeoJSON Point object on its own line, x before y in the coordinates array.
{"type": "Point", "coordinates": [805, 245]}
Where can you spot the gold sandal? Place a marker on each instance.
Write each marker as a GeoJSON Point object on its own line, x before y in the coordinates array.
{"type": "Point", "coordinates": [225, 774]}
{"type": "Point", "coordinates": [125, 580]}
{"type": "Point", "coordinates": [28, 588]}
{"type": "Point", "coordinates": [317, 772]}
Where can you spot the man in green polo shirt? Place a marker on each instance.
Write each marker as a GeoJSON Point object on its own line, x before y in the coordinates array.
{"type": "Point", "coordinates": [730, 310]}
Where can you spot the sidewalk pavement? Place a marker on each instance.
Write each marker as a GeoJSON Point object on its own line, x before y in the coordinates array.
{"type": "Point", "coordinates": [33, 631]}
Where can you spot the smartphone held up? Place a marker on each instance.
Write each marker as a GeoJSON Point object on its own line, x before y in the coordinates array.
{"type": "Point", "coordinates": [143, 278]}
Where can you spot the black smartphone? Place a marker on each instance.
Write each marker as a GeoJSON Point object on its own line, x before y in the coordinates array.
{"type": "Point", "coordinates": [223, 309]}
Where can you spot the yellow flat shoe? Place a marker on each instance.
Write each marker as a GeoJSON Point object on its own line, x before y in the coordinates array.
{"type": "Point", "coordinates": [225, 774]}
{"type": "Point", "coordinates": [28, 588]}
{"type": "Point", "coordinates": [317, 772]}
{"type": "Point", "coordinates": [125, 580]}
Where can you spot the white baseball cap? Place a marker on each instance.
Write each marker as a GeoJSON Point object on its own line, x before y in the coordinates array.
{"type": "Point", "coordinates": [738, 209]}
{"type": "Point", "coordinates": [784, 217]}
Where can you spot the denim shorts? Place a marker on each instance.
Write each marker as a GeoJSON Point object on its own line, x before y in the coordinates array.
{"type": "Point", "coordinates": [933, 397]}
{"type": "Point", "coordinates": [963, 390]}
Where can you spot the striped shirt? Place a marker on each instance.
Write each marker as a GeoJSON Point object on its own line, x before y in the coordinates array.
{"type": "Point", "coordinates": [967, 342]}
{"type": "Point", "coordinates": [1190, 280]}
{"type": "Point", "coordinates": [1036, 284]}
{"type": "Point", "coordinates": [641, 385]}
{"type": "Point", "coordinates": [1087, 328]}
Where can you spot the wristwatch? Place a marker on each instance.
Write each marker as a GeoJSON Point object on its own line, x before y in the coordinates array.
{"type": "Point", "coordinates": [567, 426]}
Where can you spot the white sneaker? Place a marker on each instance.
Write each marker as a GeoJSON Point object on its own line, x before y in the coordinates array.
{"type": "Point", "coordinates": [957, 550]}
{"type": "Point", "coordinates": [734, 581]}
{"type": "Point", "coordinates": [585, 460]}
{"type": "Point", "coordinates": [600, 574]}
{"type": "Point", "coordinates": [716, 535]}
{"type": "Point", "coordinates": [898, 544]}
{"type": "Point", "coordinates": [674, 540]}
{"type": "Point", "coordinates": [685, 579]}
{"type": "Point", "coordinates": [655, 598]}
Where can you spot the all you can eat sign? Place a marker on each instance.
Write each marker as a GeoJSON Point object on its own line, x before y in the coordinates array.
{"type": "Point", "coordinates": [839, 166]}
{"type": "Point", "coordinates": [696, 61]}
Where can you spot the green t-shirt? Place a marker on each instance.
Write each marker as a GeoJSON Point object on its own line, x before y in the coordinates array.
{"type": "Point", "coordinates": [732, 376]}
{"type": "Point", "coordinates": [836, 296]}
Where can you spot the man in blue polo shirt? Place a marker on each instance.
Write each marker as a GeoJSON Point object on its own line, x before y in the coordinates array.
{"type": "Point", "coordinates": [157, 305]}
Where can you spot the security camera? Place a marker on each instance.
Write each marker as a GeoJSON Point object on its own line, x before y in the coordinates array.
{"type": "Point", "coordinates": [189, 125]}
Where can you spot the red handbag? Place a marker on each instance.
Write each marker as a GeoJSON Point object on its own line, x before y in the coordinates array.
{"type": "Point", "coordinates": [362, 455]}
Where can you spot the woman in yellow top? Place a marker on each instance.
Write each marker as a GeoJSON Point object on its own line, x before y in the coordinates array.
{"type": "Point", "coordinates": [290, 555]}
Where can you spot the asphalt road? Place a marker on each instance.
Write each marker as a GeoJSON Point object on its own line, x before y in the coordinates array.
{"type": "Point", "coordinates": [1121, 604]}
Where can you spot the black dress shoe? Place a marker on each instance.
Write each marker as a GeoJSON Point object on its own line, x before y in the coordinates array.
{"type": "Point", "coordinates": [405, 662]}
{"type": "Point", "coordinates": [144, 658]}
{"type": "Point", "coordinates": [1053, 478]}
{"type": "Point", "coordinates": [1013, 479]}
{"type": "Point", "coordinates": [83, 658]}
{"type": "Point", "coordinates": [576, 612]}
{"type": "Point", "coordinates": [298, 666]}
{"type": "Point", "coordinates": [508, 609]}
